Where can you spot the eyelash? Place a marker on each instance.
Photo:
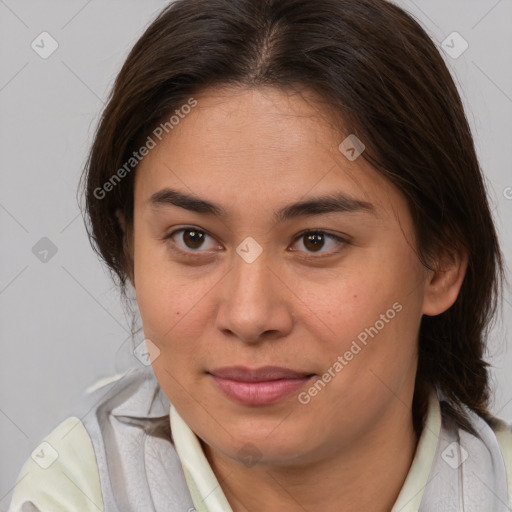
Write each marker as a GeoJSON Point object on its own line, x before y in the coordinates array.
{"type": "Point", "coordinates": [198, 253]}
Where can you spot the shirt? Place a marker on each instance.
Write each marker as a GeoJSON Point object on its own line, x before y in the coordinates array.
{"type": "Point", "coordinates": [112, 459]}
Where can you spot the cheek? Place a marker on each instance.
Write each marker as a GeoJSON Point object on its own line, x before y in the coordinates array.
{"type": "Point", "coordinates": [165, 298]}
{"type": "Point", "coordinates": [370, 314]}
{"type": "Point", "coordinates": [353, 298]}
{"type": "Point", "coordinates": [370, 349]}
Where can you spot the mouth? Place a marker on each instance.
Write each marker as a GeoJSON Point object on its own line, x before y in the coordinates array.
{"type": "Point", "coordinates": [260, 386]}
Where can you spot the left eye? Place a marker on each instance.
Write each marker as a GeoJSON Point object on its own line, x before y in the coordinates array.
{"type": "Point", "coordinates": [314, 241]}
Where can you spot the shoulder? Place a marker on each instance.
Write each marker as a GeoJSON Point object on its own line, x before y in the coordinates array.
{"type": "Point", "coordinates": [503, 432]}
{"type": "Point", "coordinates": [61, 475]}
{"type": "Point", "coordinates": [119, 421]}
{"type": "Point", "coordinates": [93, 455]}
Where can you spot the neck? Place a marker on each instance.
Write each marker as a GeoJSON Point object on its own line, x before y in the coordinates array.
{"type": "Point", "coordinates": [367, 475]}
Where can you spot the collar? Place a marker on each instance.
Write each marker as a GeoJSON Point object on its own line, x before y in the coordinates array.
{"type": "Point", "coordinates": [201, 479]}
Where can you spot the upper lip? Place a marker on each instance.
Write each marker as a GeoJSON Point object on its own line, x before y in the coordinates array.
{"type": "Point", "coordinates": [265, 373]}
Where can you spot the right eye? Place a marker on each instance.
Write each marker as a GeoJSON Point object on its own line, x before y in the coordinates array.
{"type": "Point", "coordinates": [190, 241]}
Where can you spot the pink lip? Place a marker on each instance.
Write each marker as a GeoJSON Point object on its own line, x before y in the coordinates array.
{"type": "Point", "coordinates": [260, 386]}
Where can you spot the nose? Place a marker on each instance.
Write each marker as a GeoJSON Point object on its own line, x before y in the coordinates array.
{"type": "Point", "coordinates": [255, 303]}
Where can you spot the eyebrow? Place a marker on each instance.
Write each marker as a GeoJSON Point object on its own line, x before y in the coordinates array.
{"type": "Point", "coordinates": [331, 203]}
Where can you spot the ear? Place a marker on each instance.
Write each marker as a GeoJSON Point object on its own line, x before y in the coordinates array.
{"type": "Point", "coordinates": [127, 245]}
{"type": "Point", "coordinates": [443, 285]}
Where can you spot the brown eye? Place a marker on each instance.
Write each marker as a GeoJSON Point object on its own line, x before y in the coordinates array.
{"type": "Point", "coordinates": [193, 239]}
{"type": "Point", "coordinates": [315, 241]}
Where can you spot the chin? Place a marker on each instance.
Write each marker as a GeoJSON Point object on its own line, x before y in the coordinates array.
{"type": "Point", "coordinates": [262, 443]}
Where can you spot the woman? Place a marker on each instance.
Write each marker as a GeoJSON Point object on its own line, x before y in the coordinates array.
{"type": "Point", "coordinates": [292, 190]}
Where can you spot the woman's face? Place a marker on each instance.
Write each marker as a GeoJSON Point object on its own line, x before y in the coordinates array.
{"type": "Point", "coordinates": [240, 285]}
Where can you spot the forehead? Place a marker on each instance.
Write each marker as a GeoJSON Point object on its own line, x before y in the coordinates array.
{"type": "Point", "coordinates": [248, 126]}
{"type": "Point", "coordinates": [254, 145]}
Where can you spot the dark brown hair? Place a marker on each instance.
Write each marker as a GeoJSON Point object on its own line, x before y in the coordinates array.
{"type": "Point", "coordinates": [375, 66]}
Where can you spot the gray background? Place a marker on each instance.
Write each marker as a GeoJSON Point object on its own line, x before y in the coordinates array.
{"type": "Point", "coordinates": [62, 324]}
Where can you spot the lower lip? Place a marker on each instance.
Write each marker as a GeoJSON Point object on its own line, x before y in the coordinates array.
{"type": "Point", "coordinates": [259, 393]}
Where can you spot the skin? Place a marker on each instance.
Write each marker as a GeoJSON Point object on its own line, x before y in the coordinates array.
{"type": "Point", "coordinates": [253, 151]}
